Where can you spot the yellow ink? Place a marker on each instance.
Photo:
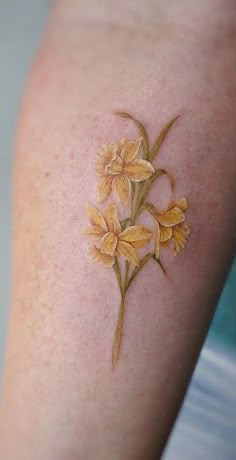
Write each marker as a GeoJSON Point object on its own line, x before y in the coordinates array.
{"type": "Point", "coordinates": [118, 168]}
{"type": "Point", "coordinates": [112, 241]}
{"type": "Point", "coordinates": [116, 242]}
{"type": "Point", "coordinates": [169, 225]}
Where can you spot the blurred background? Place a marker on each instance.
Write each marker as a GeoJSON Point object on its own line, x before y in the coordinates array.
{"type": "Point", "coordinates": [206, 426]}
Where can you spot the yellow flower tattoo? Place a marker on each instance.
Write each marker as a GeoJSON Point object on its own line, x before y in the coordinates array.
{"type": "Point", "coordinates": [118, 167]}
{"type": "Point", "coordinates": [169, 225]}
{"type": "Point", "coordinates": [126, 171]}
{"type": "Point", "coordinates": [111, 240]}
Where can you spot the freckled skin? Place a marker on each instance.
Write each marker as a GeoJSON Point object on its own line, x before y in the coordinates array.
{"type": "Point", "coordinates": [61, 399]}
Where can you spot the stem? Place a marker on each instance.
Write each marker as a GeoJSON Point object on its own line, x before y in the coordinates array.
{"type": "Point", "coordinates": [121, 314]}
{"type": "Point", "coordinates": [127, 267]}
{"type": "Point", "coordinates": [116, 267]}
{"type": "Point", "coordinates": [144, 190]}
{"type": "Point", "coordinates": [142, 262]}
{"type": "Point", "coordinates": [134, 192]}
{"type": "Point", "coordinates": [136, 205]}
{"type": "Point", "coordinates": [138, 200]}
{"type": "Point", "coordinates": [150, 208]}
{"type": "Point", "coordinates": [118, 332]}
{"type": "Point", "coordinates": [139, 194]}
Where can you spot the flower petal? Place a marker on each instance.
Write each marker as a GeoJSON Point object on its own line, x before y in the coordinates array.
{"type": "Point", "coordinates": [112, 220]}
{"type": "Point", "coordinates": [165, 234]}
{"type": "Point", "coordinates": [165, 244]}
{"type": "Point", "coordinates": [95, 217]}
{"type": "Point", "coordinates": [186, 229]}
{"type": "Point", "coordinates": [170, 218]}
{"type": "Point", "coordinates": [130, 150]}
{"type": "Point", "coordinates": [138, 170]}
{"type": "Point", "coordinates": [182, 204]}
{"type": "Point", "coordinates": [109, 244]}
{"type": "Point", "coordinates": [157, 240]}
{"type": "Point", "coordinates": [94, 230]}
{"type": "Point", "coordinates": [180, 236]}
{"type": "Point", "coordinates": [136, 235]}
{"type": "Point", "coordinates": [104, 259]}
{"type": "Point", "coordinates": [104, 188]}
{"type": "Point", "coordinates": [105, 155]}
{"type": "Point", "coordinates": [128, 252]}
{"type": "Point", "coordinates": [121, 186]}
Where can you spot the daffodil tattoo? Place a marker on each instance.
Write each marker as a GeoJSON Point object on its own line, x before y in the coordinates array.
{"type": "Point", "coordinates": [126, 172]}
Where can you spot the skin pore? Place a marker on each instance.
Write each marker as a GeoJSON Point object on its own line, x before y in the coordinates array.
{"type": "Point", "coordinates": [61, 399]}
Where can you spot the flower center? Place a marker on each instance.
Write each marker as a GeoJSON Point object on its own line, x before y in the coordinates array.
{"type": "Point", "coordinates": [109, 244]}
{"type": "Point", "coordinates": [116, 166]}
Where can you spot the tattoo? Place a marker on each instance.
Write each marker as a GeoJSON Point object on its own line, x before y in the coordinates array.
{"type": "Point", "coordinates": [129, 180]}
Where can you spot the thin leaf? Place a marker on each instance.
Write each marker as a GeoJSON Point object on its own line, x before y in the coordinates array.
{"type": "Point", "coordinates": [161, 138]}
{"type": "Point", "coordinates": [141, 131]}
{"type": "Point", "coordinates": [161, 172]}
{"type": "Point", "coordinates": [157, 173]}
{"type": "Point", "coordinates": [159, 262]}
{"type": "Point", "coordinates": [148, 183]}
{"type": "Point", "coordinates": [142, 262]}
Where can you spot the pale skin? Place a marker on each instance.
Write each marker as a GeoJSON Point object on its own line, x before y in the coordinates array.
{"type": "Point", "coordinates": [61, 399]}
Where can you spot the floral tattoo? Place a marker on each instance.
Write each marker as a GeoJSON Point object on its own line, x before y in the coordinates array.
{"type": "Point", "coordinates": [126, 171]}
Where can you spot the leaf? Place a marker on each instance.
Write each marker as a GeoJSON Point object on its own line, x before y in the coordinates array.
{"type": "Point", "coordinates": [141, 131]}
{"type": "Point", "coordinates": [159, 262]}
{"type": "Point", "coordinates": [160, 172]}
{"type": "Point", "coordinates": [148, 183]}
{"type": "Point", "coordinates": [160, 139]}
{"type": "Point", "coordinates": [142, 262]}
{"type": "Point", "coordinates": [157, 173]}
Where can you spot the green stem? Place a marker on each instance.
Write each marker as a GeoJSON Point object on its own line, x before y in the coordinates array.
{"type": "Point", "coordinates": [117, 271]}
{"type": "Point", "coordinates": [142, 262]}
{"type": "Point", "coordinates": [150, 208]}
{"type": "Point", "coordinates": [121, 314]}
{"type": "Point", "coordinates": [143, 191]}
{"type": "Point", "coordinates": [127, 267]}
{"type": "Point", "coordinates": [118, 332]}
{"type": "Point", "coordinates": [120, 320]}
{"type": "Point", "coordinates": [139, 194]}
{"type": "Point", "coordinates": [136, 206]}
{"type": "Point", "coordinates": [134, 192]}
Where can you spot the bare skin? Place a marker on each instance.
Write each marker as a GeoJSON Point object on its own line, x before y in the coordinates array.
{"type": "Point", "coordinates": [61, 399]}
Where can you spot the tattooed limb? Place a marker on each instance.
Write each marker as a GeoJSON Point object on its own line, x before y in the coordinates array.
{"type": "Point", "coordinates": [168, 70]}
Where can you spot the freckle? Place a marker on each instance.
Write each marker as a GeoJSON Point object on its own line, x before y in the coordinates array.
{"type": "Point", "coordinates": [56, 156]}
{"type": "Point", "coordinates": [71, 156]}
{"type": "Point", "coordinates": [47, 174]}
